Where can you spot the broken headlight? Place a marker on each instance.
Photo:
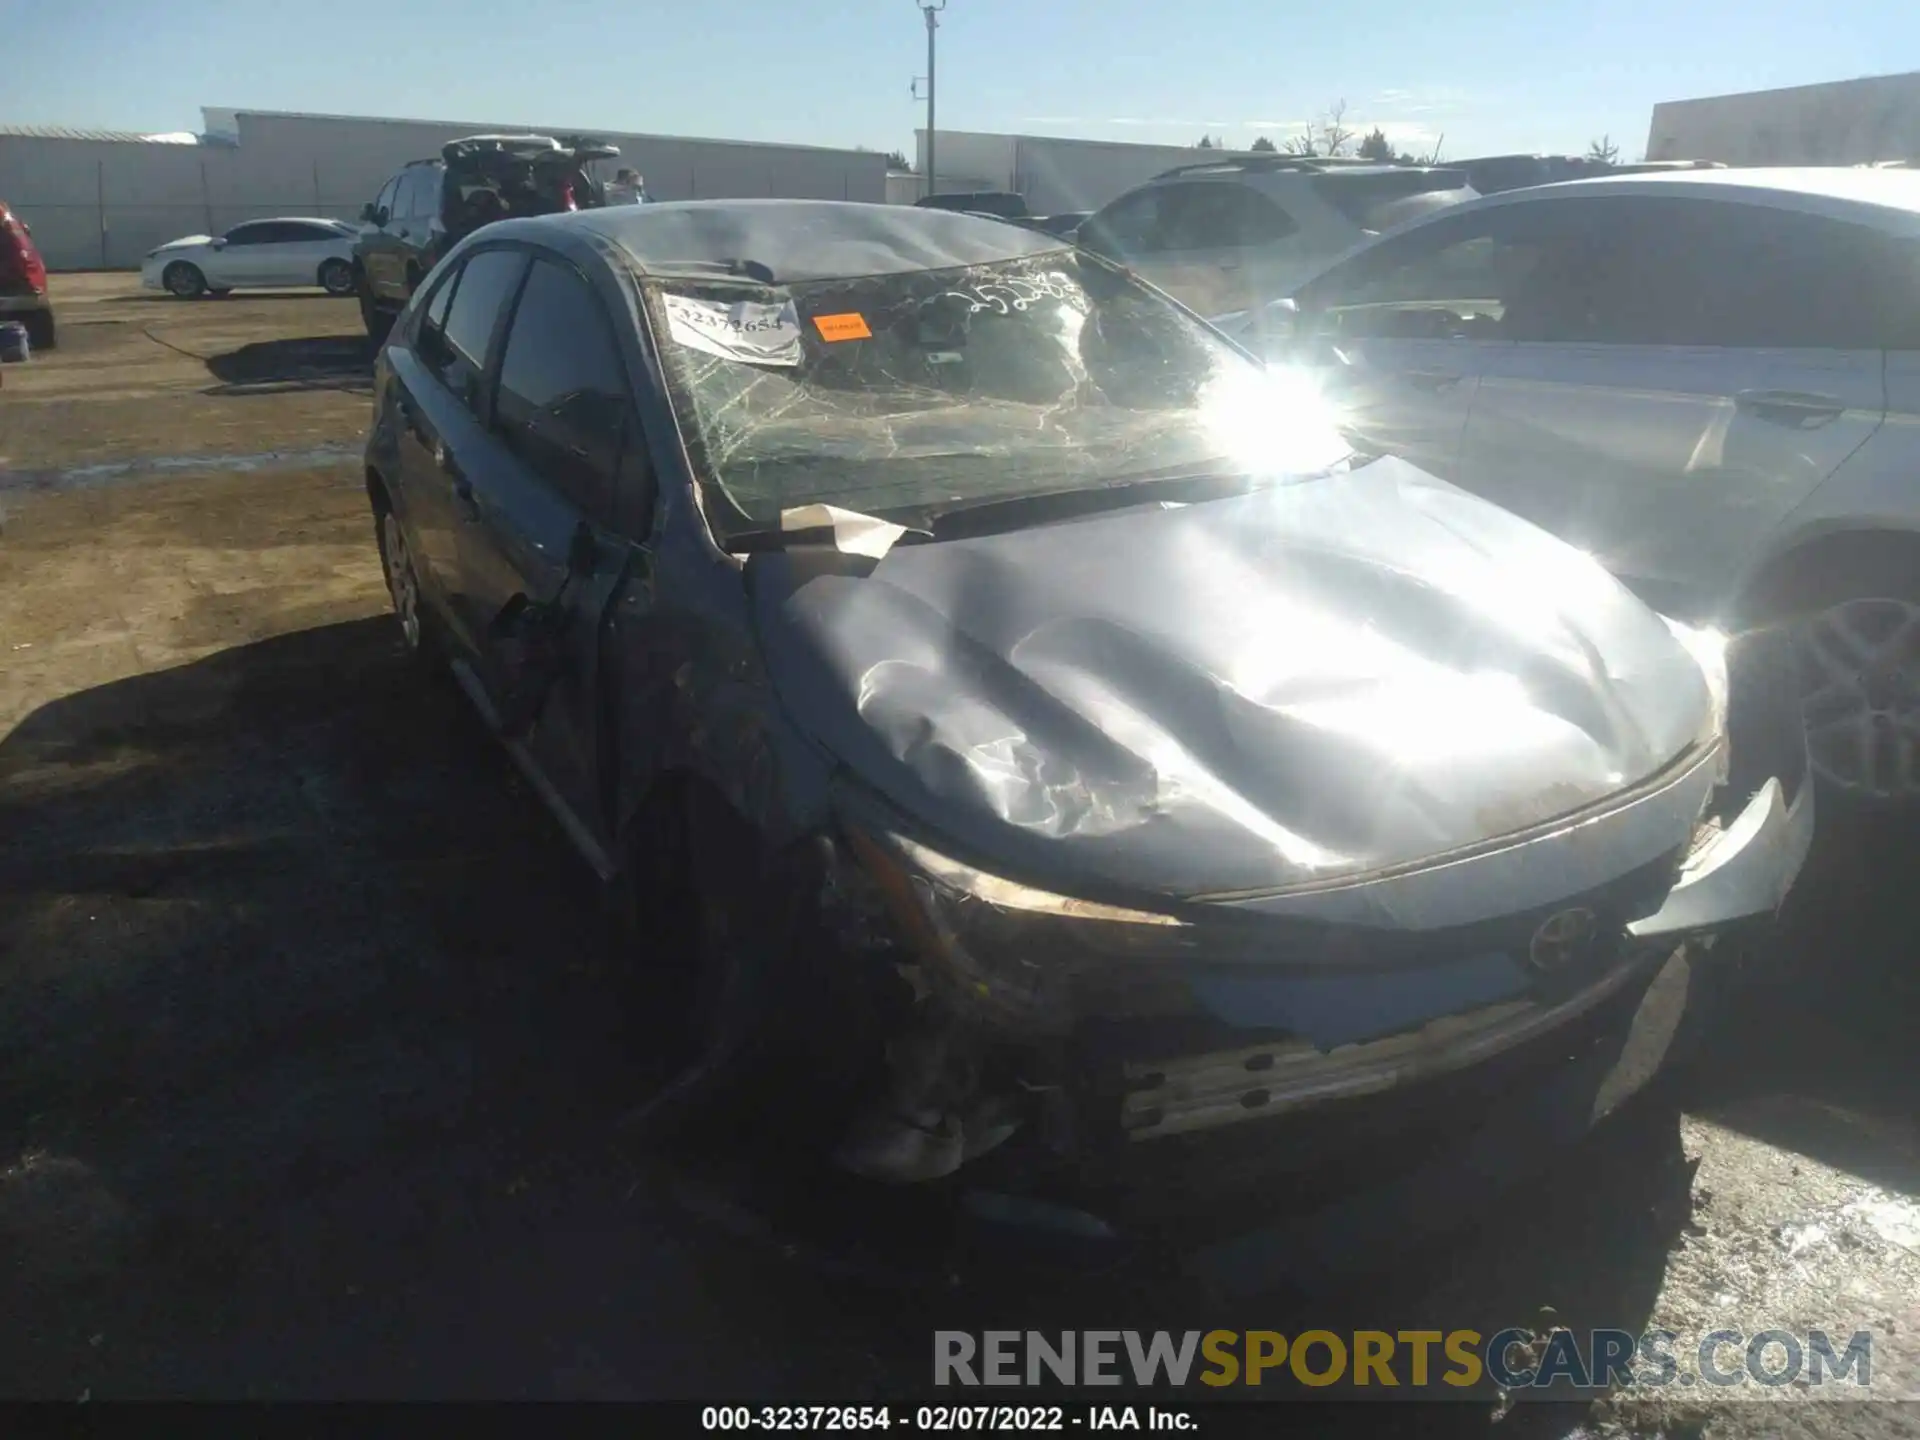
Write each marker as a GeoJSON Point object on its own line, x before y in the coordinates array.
{"type": "Point", "coordinates": [1005, 951]}
{"type": "Point", "coordinates": [1709, 651]}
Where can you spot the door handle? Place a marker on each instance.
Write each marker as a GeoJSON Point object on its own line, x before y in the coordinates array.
{"type": "Point", "coordinates": [1432, 379]}
{"type": "Point", "coordinates": [1793, 408]}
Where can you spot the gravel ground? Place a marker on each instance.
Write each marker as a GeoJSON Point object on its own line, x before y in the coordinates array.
{"type": "Point", "coordinates": [310, 1045]}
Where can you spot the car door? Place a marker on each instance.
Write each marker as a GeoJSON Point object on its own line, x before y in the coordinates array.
{"type": "Point", "coordinates": [565, 464]}
{"type": "Point", "coordinates": [377, 244]}
{"type": "Point", "coordinates": [1690, 373]}
{"type": "Point", "coordinates": [297, 248]}
{"type": "Point", "coordinates": [1398, 334]}
{"type": "Point", "coordinates": [240, 256]}
{"type": "Point", "coordinates": [444, 441]}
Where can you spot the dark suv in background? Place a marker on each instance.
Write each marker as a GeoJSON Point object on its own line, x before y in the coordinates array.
{"type": "Point", "coordinates": [1227, 234]}
{"type": "Point", "coordinates": [432, 205]}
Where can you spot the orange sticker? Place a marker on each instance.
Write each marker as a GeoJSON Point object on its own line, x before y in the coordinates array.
{"type": "Point", "coordinates": [842, 327]}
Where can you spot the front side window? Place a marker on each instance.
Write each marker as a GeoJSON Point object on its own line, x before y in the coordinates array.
{"type": "Point", "coordinates": [911, 395]}
{"type": "Point", "coordinates": [1131, 225]}
{"type": "Point", "coordinates": [383, 208]}
{"type": "Point", "coordinates": [562, 403]}
{"type": "Point", "coordinates": [258, 233]}
{"type": "Point", "coordinates": [1520, 272]}
{"type": "Point", "coordinates": [485, 283]}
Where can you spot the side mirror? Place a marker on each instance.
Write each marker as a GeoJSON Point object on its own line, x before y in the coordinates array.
{"type": "Point", "coordinates": [366, 212]}
{"type": "Point", "coordinates": [1272, 331]}
{"type": "Point", "coordinates": [381, 216]}
{"type": "Point", "coordinates": [219, 242]}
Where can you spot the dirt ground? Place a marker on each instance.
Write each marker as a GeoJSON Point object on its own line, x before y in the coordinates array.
{"type": "Point", "coordinates": [310, 1044]}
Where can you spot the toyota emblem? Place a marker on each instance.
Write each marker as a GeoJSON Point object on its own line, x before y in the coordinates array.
{"type": "Point", "coordinates": [1562, 940]}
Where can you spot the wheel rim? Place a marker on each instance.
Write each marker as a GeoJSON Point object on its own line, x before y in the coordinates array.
{"type": "Point", "coordinates": [337, 280]}
{"type": "Point", "coordinates": [401, 583]}
{"type": "Point", "coordinates": [1861, 697]}
{"type": "Point", "coordinates": [181, 281]}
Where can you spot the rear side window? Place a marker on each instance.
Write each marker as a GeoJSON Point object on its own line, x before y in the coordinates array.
{"type": "Point", "coordinates": [562, 404]}
{"type": "Point", "coordinates": [1225, 216]}
{"type": "Point", "coordinates": [1713, 273]}
{"type": "Point", "coordinates": [480, 293]}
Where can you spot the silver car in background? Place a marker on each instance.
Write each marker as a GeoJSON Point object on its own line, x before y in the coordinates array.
{"type": "Point", "coordinates": [1708, 380]}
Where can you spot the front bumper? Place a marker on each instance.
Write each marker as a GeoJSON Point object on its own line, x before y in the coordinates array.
{"type": "Point", "coordinates": [1744, 873]}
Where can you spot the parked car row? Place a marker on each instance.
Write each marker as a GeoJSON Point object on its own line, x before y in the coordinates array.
{"type": "Point", "coordinates": [1041, 757]}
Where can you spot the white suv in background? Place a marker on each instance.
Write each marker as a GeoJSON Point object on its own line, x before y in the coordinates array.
{"type": "Point", "coordinates": [1223, 234]}
{"type": "Point", "coordinates": [1709, 380]}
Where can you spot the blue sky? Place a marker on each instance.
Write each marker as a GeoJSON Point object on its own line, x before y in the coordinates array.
{"type": "Point", "coordinates": [1488, 75]}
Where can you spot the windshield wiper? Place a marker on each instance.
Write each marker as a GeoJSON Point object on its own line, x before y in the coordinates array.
{"type": "Point", "coordinates": [772, 537]}
{"type": "Point", "coordinates": [983, 516]}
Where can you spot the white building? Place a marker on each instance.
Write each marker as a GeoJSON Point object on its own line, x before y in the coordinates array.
{"type": "Point", "coordinates": [102, 199]}
{"type": "Point", "coordinates": [1054, 173]}
{"type": "Point", "coordinates": [1844, 122]}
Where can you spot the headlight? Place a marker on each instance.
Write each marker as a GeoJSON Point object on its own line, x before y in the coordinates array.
{"type": "Point", "coordinates": [1000, 948]}
{"type": "Point", "coordinates": [1709, 650]}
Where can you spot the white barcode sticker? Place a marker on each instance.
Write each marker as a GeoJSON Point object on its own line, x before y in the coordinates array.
{"type": "Point", "coordinates": [746, 330]}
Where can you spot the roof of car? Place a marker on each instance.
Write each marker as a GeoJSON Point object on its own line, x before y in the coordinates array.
{"type": "Point", "coordinates": [802, 240]}
{"type": "Point", "coordinates": [1890, 198]}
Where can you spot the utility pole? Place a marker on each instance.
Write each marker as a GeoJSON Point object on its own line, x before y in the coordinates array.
{"type": "Point", "coordinates": [931, 9]}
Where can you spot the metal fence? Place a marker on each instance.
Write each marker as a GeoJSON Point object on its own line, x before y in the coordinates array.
{"type": "Point", "coordinates": [103, 204]}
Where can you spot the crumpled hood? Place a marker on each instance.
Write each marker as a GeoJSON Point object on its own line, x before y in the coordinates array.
{"type": "Point", "coordinates": [1321, 679]}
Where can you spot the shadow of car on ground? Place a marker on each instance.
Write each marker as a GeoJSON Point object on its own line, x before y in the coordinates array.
{"type": "Point", "coordinates": [311, 1048]}
{"type": "Point", "coordinates": [273, 367]}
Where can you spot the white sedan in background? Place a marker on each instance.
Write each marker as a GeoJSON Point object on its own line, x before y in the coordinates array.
{"type": "Point", "coordinates": [260, 254]}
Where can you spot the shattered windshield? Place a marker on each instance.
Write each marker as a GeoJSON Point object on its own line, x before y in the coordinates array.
{"type": "Point", "coordinates": [909, 395]}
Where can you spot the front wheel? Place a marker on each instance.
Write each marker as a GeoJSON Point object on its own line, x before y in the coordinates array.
{"type": "Point", "coordinates": [403, 587]}
{"type": "Point", "coordinates": [1856, 627]}
{"type": "Point", "coordinates": [376, 320]}
{"type": "Point", "coordinates": [184, 281]}
{"type": "Point", "coordinates": [336, 277]}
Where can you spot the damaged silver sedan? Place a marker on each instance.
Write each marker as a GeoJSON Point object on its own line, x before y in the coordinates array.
{"type": "Point", "coordinates": [1056, 774]}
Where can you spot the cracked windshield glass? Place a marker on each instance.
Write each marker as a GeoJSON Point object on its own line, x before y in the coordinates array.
{"type": "Point", "coordinates": [907, 395]}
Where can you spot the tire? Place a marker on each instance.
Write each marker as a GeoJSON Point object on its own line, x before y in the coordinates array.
{"type": "Point", "coordinates": [719, 988]}
{"type": "Point", "coordinates": [41, 332]}
{"type": "Point", "coordinates": [1855, 618]}
{"type": "Point", "coordinates": [184, 281]}
{"type": "Point", "coordinates": [336, 277]}
{"type": "Point", "coordinates": [419, 631]}
{"type": "Point", "coordinates": [377, 321]}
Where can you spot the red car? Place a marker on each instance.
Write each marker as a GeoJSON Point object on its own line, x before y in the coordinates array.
{"type": "Point", "coordinates": [23, 281]}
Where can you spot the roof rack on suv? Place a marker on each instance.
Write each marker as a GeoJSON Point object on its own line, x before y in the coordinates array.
{"type": "Point", "coordinates": [1251, 162]}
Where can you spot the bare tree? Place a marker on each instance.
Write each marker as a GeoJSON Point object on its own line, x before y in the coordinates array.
{"type": "Point", "coordinates": [1329, 137]}
{"type": "Point", "coordinates": [1604, 150]}
{"type": "Point", "coordinates": [1334, 134]}
{"type": "Point", "coordinates": [1432, 157]}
